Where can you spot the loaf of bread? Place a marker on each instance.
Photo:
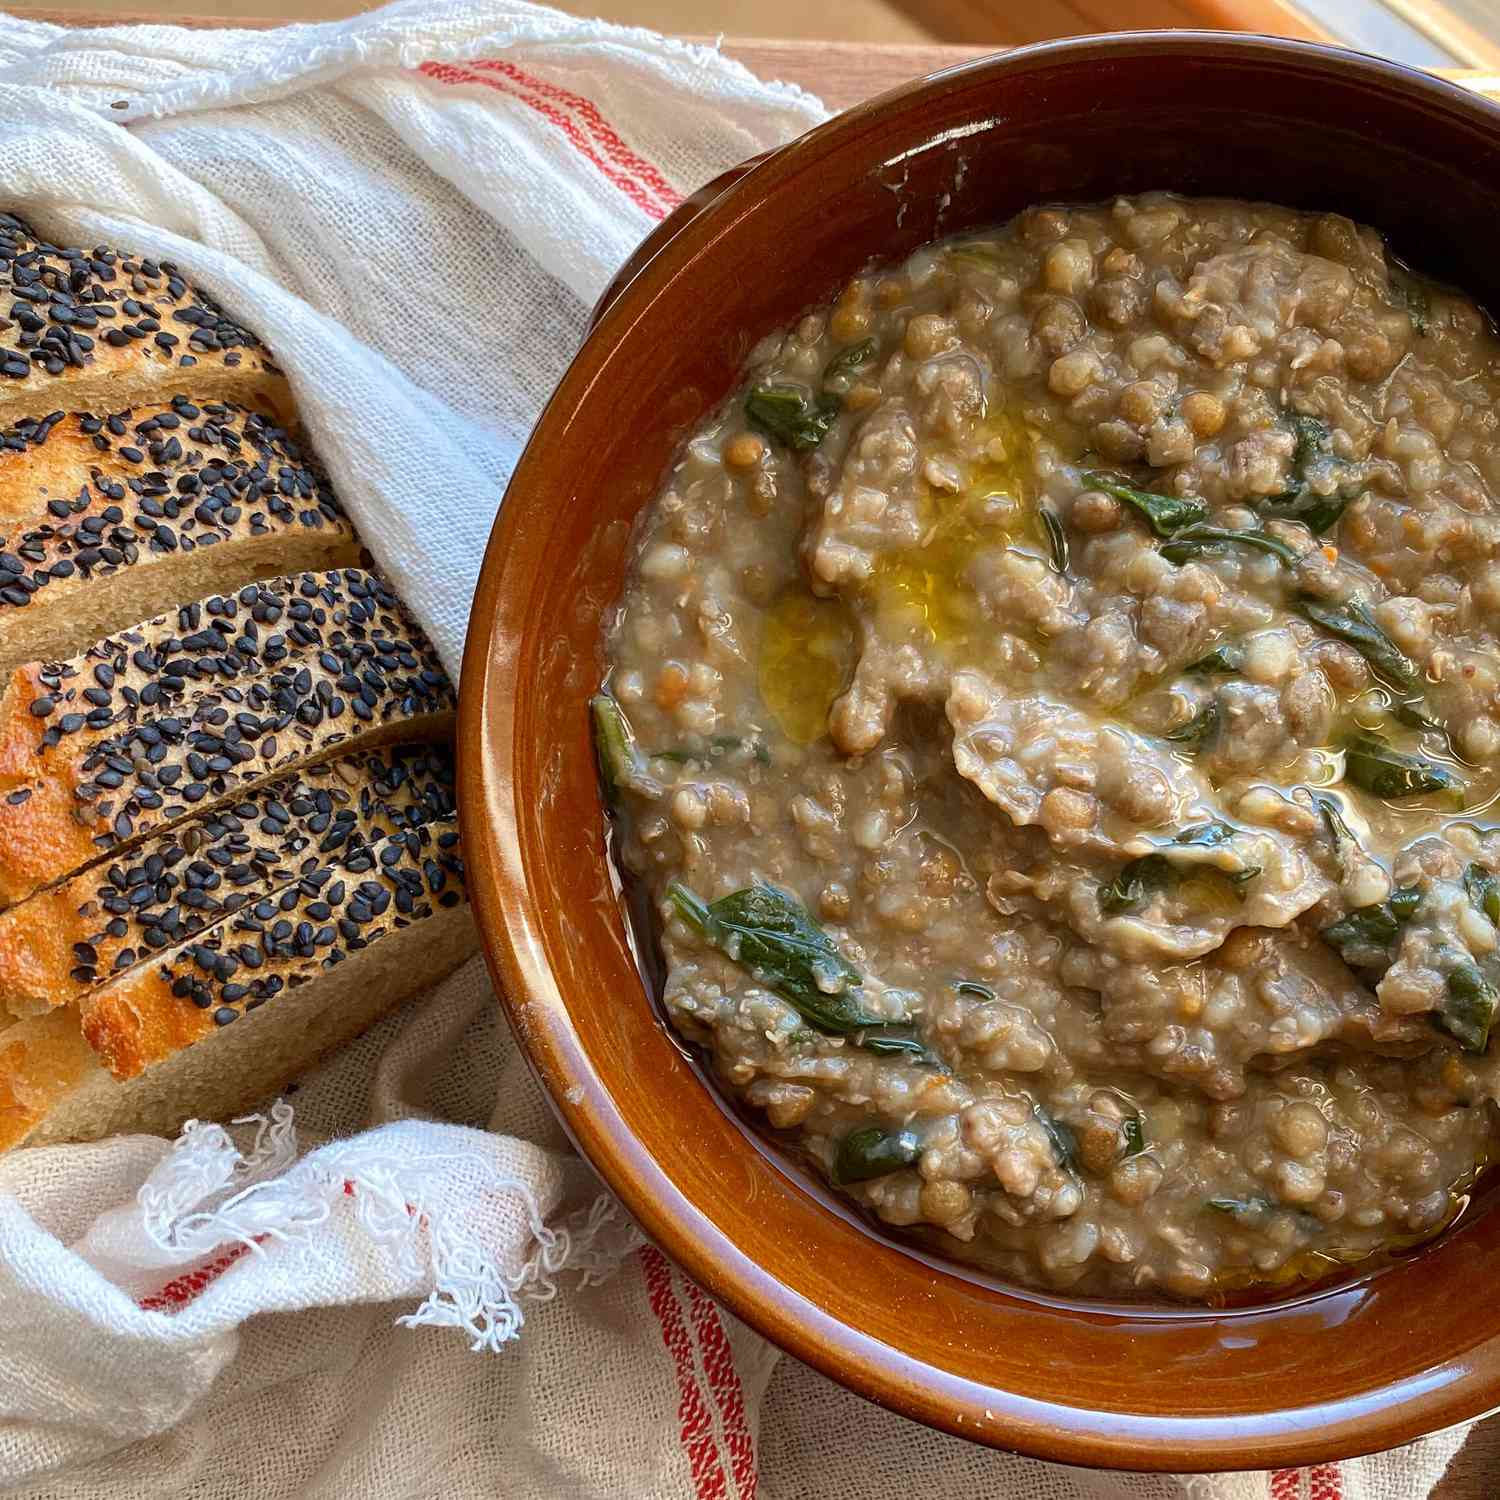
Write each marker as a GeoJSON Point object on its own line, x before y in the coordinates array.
{"type": "Point", "coordinates": [125, 909]}
{"type": "Point", "coordinates": [95, 330]}
{"type": "Point", "coordinates": [226, 791]}
{"type": "Point", "coordinates": [104, 517]}
{"type": "Point", "coordinates": [197, 706]}
{"type": "Point", "coordinates": [296, 984]}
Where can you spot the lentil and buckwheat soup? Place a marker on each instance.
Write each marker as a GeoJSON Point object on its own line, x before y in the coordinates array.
{"type": "Point", "coordinates": [1055, 715]}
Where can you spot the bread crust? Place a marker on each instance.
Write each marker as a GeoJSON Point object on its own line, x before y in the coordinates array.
{"type": "Point", "coordinates": [285, 940]}
{"type": "Point", "coordinates": [194, 707]}
{"type": "Point", "coordinates": [41, 1061]}
{"type": "Point", "coordinates": [94, 508]}
{"type": "Point", "coordinates": [120, 912]}
{"type": "Point", "coordinates": [97, 329]}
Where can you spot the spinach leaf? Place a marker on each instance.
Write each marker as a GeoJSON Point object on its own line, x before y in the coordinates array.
{"type": "Point", "coordinates": [1333, 821]}
{"type": "Point", "coordinates": [1319, 513]}
{"type": "Point", "coordinates": [973, 987]}
{"type": "Point", "coordinates": [1344, 842]}
{"type": "Point", "coordinates": [1409, 294]}
{"type": "Point", "coordinates": [620, 762]}
{"type": "Point", "coordinates": [1367, 926]}
{"type": "Point", "coordinates": [1152, 874]}
{"type": "Point", "coordinates": [1468, 1008]}
{"type": "Point", "coordinates": [1364, 936]}
{"type": "Point", "coordinates": [1064, 1143]}
{"type": "Point", "coordinates": [1204, 835]}
{"type": "Point", "coordinates": [1167, 514]}
{"type": "Point", "coordinates": [1411, 714]}
{"type": "Point", "coordinates": [1251, 1207]}
{"type": "Point", "coordinates": [1371, 764]}
{"type": "Point", "coordinates": [1221, 660]}
{"type": "Point", "coordinates": [1057, 537]}
{"type": "Point", "coordinates": [1254, 1207]}
{"type": "Point", "coordinates": [718, 745]}
{"type": "Point", "coordinates": [1210, 836]}
{"type": "Point", "coordinates": [1135, 1135]}
{"type": "Point", "coordinates": [1198, 730]}
{"type": "Point", "coordinates": [1483, 887]}
{"type": "Point", "coordinates": [1136, 883]}
{"type": "Point", "coordinates": [787, 414]}
{"type": "Point", "coordinates": [1312, 436]}
{"type": "Point", "coordinates": [767, 932]}
{"type": "Point", "coordinates": [1404, 902]}
{"type": "Point", "coordinates": [1353, 623]}
{"type": "Point", "coordinates": [898, 1041]}
{"type": "Point", "coordinates": [1196, 541]}
{"type": "Point", "coordinates": [1414, 718]}
{"type": "Point", "coordinates": [1299, 501]}
{"type": "Point", "coordinates": [847, 361]}
{"type": "Point", "coordinates": [871, 1152]}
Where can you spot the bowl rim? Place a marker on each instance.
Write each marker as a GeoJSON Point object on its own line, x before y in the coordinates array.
{"type": "Point", "coordinates": [487, 725]}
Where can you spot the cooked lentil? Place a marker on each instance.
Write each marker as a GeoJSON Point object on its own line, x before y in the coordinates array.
{"type": "Point", "coordinates": [1055, 706]}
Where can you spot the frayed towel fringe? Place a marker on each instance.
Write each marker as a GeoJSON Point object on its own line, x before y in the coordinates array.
{"type": "Point", "coordinates": [207, 1194]}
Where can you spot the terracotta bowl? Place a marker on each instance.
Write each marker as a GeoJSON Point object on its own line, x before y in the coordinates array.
{"type": "Point", "coordinates": [1401, 1352]}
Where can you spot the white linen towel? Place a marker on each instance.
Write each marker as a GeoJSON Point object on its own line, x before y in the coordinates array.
{"type": "Point", "coordinates": [417, 207]}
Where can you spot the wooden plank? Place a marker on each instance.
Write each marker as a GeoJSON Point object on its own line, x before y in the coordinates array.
{"type": "Point", "coordinates": [1017, 22]}
{"type": "Point", "coordinates": [1466, 44]}
{"type": "Point", "coordinates": [1008, 21]}
{"type": "Point", "coordinates": [72, 17]}
{"type": "Point", "coordinates": [845, 73]}
{"type": "Point", "coordinates": [840, 73]}
{"type": "Point", "coordinates": [1274, 17]}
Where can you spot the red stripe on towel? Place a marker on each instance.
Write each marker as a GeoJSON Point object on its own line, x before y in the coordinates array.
{"type": "Point", "coordinates": [724, 1382]}
{"type": "Point", "coordinates": [181, 1290]}
{"type": "Point", "coordinates": [605, 133]}
{"type": "Point", "coordinates": [695, 1427]}
{"type": "Point", "coordinates": [1285, 1483]}
{"type": "Point", "coordinates": [639, 195]}
{"type": "Point", "coordinates": [1325, 1483]}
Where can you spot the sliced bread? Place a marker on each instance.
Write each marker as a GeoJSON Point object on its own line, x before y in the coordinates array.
{"type": "Point", "coordinates": [122, 911]}
{"type": "Point", "coordinates": [304, 967]}
{"type": "Point", "coordinates": [97, 330]}
{"type": "Point", "coordinates": [201, 706]}
{"type": "Point", "coordinates": [54, 1088]}
{"type": "Point", "coordinates": [281, 942]}
{"type": "Point", "coordinates": [103, 517]}
{"type": "Point", "coordinates": [234, 803]}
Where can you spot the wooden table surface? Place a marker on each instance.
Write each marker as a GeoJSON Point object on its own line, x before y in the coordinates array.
{"type": "Point", "coordinates": [841, 74]}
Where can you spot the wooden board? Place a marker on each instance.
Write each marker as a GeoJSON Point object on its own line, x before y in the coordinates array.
{"type": "Point", "coordinates": [841, 74]}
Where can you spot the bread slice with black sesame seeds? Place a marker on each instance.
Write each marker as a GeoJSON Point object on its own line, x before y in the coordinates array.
{"type": "Point", "coordinates": [156, 1046]}
{"type": "Point", "coordinates": [201, 706]}
{"type": "Point", "coordinates": [286, 939]}
{"type": "Point", "coordinates": [104, 516]}
{"type": "Point", "coordinates": [118, 913]}
{"type": "Point", "coordinates": [99, 330]}
{"type": "Point", "coordinates": [239, 810]}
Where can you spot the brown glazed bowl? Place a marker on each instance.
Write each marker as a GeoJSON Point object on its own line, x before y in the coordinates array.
{"type": "Point", "coordinates": [1363, 1366]}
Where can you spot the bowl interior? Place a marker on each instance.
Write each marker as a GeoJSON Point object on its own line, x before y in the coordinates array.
{"type": "Point", "coordinates": [1358, 1368]}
